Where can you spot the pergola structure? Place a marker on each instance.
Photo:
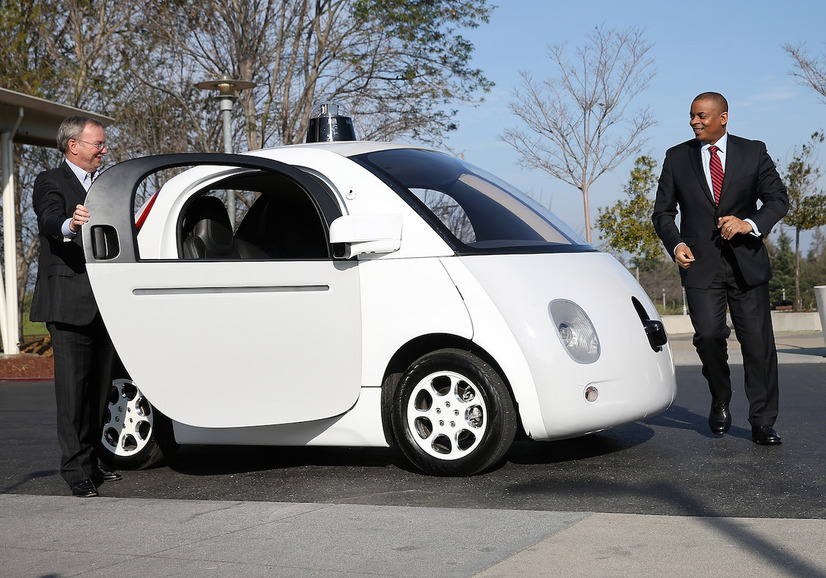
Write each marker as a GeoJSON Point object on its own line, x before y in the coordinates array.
{"type": "Point", "coordinates": [34, 121]}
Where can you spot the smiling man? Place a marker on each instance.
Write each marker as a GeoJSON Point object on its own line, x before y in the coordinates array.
{"type": "Point", "coordinates": [714, 182]}
{"type": "Point", "coordinates": [63, 299]}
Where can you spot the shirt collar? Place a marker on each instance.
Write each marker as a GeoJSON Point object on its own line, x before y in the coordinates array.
{"type": "Point", "coordinates": [79, 172]}
{"type": "Point", "coordinates": [720, 144]}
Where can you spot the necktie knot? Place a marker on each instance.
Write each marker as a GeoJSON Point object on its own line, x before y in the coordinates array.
{"type": "Point", "coordinates": [713, 149]}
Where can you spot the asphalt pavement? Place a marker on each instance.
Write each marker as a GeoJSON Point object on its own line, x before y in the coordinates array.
{"type": "Point", "coordinates": [57, 535]}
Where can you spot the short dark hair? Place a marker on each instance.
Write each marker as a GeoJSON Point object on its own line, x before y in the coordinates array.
{"type": "Point", "coordinates": [718, 99]}
{"type": "Point", "coordinates": [71, 128]}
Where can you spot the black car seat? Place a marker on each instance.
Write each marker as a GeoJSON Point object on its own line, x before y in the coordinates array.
{"type": "Point", "coordinates": [286, 226]}
{"type": "Point", "coordinates": [251, 237]}
{"type": "Point", "coordinates": [206, 231]}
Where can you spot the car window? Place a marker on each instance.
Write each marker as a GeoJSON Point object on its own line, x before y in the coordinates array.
{"type": "Point", "coordinates": [449, 212]}
{"type": "Point", "coordinates": [474, 211]}
{"type": "Point", "coordinates": [275, 219]}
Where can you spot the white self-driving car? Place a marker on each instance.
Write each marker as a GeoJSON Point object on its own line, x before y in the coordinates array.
{"type": "Point", "coordinates": [369, 294]}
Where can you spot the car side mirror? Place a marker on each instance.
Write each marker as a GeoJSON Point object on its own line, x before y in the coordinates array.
{"type": "Point", "coordinates": [354, 235]}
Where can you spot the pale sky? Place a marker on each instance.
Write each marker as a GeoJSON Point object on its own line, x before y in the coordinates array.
{"type": "Point", "coordinates": [745, 36]}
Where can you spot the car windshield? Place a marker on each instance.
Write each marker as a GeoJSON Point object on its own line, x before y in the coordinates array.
{"type": "Point", "coordinates": [474, 211]}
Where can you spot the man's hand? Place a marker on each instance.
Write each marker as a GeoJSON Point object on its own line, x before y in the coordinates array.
{"type": "Point", "coordinates": [683, 256]}
{"type": "Point", "coordinates": [79, 218]}
{"type": "Point", "coordinates": [731, 225]}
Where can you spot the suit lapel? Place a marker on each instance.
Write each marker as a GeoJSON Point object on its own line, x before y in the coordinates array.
{"type": "Point", "coordinates": [78, 192]}
{"type": "Point", "coordinates": [697, 167]}
{"type": "Point", "coordinates": [76, 195]}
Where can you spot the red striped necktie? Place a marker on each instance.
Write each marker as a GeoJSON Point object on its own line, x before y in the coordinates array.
{"type": "Point", "coordinates": [716, 173]}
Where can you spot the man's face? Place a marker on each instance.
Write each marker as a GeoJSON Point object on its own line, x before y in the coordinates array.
{"type": "Point", "coordinates": [707, 120]}
{"type": "Point", "coordinates": [83, 150]}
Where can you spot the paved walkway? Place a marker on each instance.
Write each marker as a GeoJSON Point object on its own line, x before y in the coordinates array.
{"type": "Point", "coordinates": [64, 536]}
{"type": "Point", "coordinates": [792, 347]}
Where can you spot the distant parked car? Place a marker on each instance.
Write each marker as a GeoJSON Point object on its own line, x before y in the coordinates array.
{"type": "Point", "coordinates": [371, 294]}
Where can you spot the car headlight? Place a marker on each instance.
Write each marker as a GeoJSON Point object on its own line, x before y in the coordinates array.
{"type": "Point", "coordinates": [575, 330]}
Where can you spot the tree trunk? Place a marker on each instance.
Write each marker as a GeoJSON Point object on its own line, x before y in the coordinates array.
{"type": "Point", "coordinates": [587, 212]}
{"type": "Point", "coordinates": [797, 301]}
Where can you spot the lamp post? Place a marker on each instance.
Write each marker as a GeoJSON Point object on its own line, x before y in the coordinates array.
{"type": "Point", "coordinates": [225, 87]}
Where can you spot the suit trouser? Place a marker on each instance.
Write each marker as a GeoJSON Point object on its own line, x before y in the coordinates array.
{"type": "Point", "coordinates": [82, 364]}
{"type": "Point", "coordinates": [751, 317]}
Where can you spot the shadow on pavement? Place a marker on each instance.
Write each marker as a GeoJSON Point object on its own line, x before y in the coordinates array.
{"type": "Point", "coordinates": [678, 417]}
{"type": "Point", "coordinates": [594, 445]}
{"type": "Point", "coordinates": [195, 460]}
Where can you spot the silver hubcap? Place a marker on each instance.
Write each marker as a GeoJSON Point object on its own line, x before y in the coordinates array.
{"type": "Point", "coordinates": [446, 415]}
{"type": "Point", "coordinates": [128, 420]}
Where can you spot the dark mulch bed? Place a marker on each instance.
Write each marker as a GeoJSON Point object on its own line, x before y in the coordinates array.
{"type": "Point", "coordinates": [34, 362]}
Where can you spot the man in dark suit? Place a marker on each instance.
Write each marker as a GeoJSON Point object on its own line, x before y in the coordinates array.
{"type": "Point", "coordinates": [714, 182]}
{"type": "Point", "coordinates": [63, 298]}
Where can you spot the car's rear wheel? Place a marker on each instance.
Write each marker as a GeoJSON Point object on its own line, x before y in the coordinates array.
{"type": "Point", "coordinates": [452, 414]}
{"type": "Point", "coordinates": [135, 434]}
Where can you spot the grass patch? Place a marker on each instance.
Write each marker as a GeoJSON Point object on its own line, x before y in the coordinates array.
{"type": "Point", "coordinates": [32, 330]}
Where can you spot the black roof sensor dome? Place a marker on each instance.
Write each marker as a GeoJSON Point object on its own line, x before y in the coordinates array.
{"type": "Point", "coordinates": [330, 122]}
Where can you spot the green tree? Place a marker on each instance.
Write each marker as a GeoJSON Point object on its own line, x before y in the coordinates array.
{"type": "Point", "coordinates": [813, 270]}
{"type": "Point", "coordinates": [781, 257]}
{"type": "Point", "coordinates": [807, 204]}
{"type": "Point", "coordinates": [626, 226]}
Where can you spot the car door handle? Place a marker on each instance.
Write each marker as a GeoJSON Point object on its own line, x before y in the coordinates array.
{"type": "Point", "coordinates": [105, 244]}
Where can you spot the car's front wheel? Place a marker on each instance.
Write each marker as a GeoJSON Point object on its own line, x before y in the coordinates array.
{"type": "Point", "coordinates": [135, 434]}
{"type": "Point", "coordinates": [452, 414]}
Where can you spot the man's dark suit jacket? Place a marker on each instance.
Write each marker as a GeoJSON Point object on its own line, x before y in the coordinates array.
{"type": "Point", "coordinates": [62, 293]}
{"type": "Point", "coordinates": [750, 175]}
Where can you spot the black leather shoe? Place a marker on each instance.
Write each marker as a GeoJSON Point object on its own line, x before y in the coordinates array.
{"type": "Point", "coordinates": [85, 489]}
{"type": "Point", "coordinates": [104, 476]}
{"type": "Point", "coordinates": [719, 418]}
{"type": "Point", "coordinates": [765, 435]}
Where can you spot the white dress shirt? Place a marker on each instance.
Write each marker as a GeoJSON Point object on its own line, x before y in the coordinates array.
{"type": "Point", "coordinates": [722, 146]}
{"type": "Point", "coordinates": [85, 181]}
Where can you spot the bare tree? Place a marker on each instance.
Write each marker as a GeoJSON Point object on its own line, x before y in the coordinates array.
{"type": "Point", "coordinates": [398, 66]}
{"type": "Point", "coordinates": [576, 124]}
{"type": "Point", "coordinates": [63, 51]}
{"type": "Point", "coordinates": [809, 70]}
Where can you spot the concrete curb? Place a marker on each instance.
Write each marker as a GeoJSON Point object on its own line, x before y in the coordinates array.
{"type": "Point", "coordinates": [783, 321]}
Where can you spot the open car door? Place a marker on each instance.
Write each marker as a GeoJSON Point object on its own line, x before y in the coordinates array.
{"type": "Point", "coordinates": [224, 342]}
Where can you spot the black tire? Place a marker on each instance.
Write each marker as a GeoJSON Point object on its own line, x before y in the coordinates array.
{"type": "Point", "coordinates": [452, 414]}
{"type": "Point", "coordinates": [135, 435]}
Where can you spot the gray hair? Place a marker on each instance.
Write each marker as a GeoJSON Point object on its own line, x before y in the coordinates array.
{"type": "Point", "coordinates": [71, 128]}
